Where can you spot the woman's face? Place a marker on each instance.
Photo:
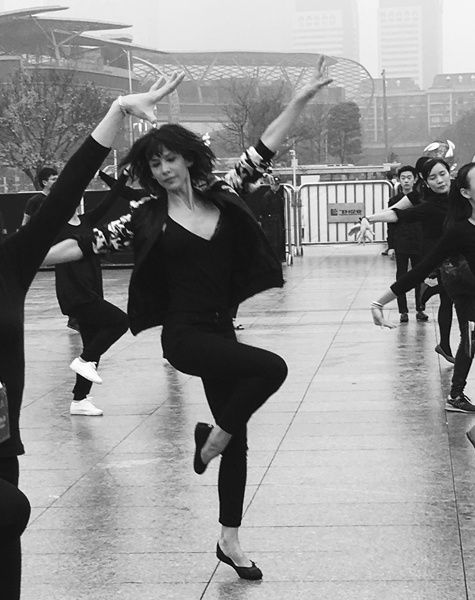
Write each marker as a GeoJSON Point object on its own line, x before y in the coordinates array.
{"type": "Point", "coordinates": [170, 169]}
{"type": "Point", "coordinates": [439, 179]}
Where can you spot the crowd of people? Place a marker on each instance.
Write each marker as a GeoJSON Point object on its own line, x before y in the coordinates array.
{"type": "Point", "coordinates": [431, 222]}
{"type": "Point", "coordinates": [200, 249]}
{"type": "Point", "coordinates": [198, 252]}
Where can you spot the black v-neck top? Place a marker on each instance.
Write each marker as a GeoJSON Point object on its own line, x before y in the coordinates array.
{"type": "Point", "coordinates": [198, 271]}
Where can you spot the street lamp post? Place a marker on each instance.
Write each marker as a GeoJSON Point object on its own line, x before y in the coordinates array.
{"type": "Point", "coordinates": [385, 116]}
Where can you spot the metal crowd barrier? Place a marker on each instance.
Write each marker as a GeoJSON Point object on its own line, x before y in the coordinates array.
{"type": "Point", "coordinates": [307, 211]}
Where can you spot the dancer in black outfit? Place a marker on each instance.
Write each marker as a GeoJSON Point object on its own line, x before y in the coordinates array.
{"type": "Point", "coordinates": [405, 243]}
{"type": "Point", "coordinates": [21, 255]}
{"type": "Point", "coordinates": [431, 213]}
{"type": "Point", "coordinates": [198, 252]}
{"type": "Point", "coordinates": [459, 239]}
{"type": "Point", "coordinates": [80, 294]}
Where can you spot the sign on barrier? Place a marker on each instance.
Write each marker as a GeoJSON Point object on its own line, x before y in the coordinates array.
{"type": "Point", "coordinates": [345, 212]}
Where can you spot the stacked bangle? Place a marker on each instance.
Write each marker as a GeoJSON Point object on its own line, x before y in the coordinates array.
{"type": "Point", "coordinates": [375, 304]}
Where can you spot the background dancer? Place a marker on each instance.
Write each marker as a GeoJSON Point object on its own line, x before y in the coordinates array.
{"type": "Point", "coordinates": [198, 252]}
{"type": "Point", "coordinates": [21, 255]}
{"type": "Point", "coordinates": [46, 178]}
{"type": "Point", "coordinates": [431, 213]}
{"type": "Point", "coordinates": [405, 243]}
{"type": "Point", "coordinates": [80, 294]}
{"type": "Point", "coordinates": [459, 239]}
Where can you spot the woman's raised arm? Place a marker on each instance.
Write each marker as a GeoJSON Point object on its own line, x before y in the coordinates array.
{"type": "Point", "coordinates": [281, 126]}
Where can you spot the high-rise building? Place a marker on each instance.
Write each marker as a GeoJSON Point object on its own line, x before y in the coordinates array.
{"type": "Point", "coordinates": [410, 39]}
{"type": "Point", "coordinates": [327, 26]}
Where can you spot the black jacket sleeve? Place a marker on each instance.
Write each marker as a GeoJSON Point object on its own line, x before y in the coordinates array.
{"type": "Point", "coordinates": [94, 215]}
{"type": "Point", "coordinates": [30, 244]}
{"type": "Point", "coordinates": [446, 247]}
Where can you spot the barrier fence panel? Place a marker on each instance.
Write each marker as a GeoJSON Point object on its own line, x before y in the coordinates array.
{"type": "Point", "coordinates": [329, 209]}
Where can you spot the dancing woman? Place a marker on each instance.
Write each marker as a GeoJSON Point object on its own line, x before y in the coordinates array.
{"type": "Point", "coordinates": [459, 239]}
{"type": "Point", "coordinates": [431, 213]}
{"type": "Point", "coordinates": [80, 294]}
{"type": "Point", "coordinates": [21, 255]}
{"type": "Point", "coordinates": [198, 252]}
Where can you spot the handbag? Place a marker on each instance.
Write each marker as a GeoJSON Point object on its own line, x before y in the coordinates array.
{"type": "Point", "coordinates": [457, 277]}
{"type": "Point", "coordinates": [4, 420]}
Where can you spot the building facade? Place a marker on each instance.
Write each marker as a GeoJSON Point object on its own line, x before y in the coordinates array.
{"type": "Point", "coordinates": [327, 26]}
{"type": "Point", "coordinates": [414, 116]}
{"type": "Point", "coordinates": [410, 39]}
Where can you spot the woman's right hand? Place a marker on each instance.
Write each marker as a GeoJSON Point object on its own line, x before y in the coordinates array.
{"type": "Point", "coordinates": [142, 105]}
{"type": "Point", "coordinates": [363, 232]}
{"type": "Point", "coordinates": [378, 318]}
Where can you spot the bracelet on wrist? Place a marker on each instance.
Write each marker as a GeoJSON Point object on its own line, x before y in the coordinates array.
{"type": "Point", "coordinates": [375, 304]}
{"type": "Point", "coordinates": [123, 110]}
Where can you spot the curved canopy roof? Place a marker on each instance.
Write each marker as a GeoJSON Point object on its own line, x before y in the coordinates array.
{"type": "Point", "coordinates": [24, 31]}
{"type": "Point", "coordinates": [76, 43]}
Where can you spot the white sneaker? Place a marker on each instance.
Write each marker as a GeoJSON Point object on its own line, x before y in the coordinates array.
{"type": "Point", "coordinates": [85, 407]}
{"type": "Point", "coordinates": [86, 370]}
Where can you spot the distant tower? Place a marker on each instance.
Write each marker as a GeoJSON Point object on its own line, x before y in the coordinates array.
{"type": "Point", "coordinates": [327, 26]}
{"type": "Point", "coordinates": [410, 39]}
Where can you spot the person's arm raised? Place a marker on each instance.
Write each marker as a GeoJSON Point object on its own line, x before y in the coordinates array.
{"type": "Point", "coordinates": [138, 105]}
{"type": "Point", "coordinates": [280, 127]}
{"type": "Point", "coordinates": [30, 244]}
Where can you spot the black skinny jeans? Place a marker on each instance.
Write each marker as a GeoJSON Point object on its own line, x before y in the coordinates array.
{"type": "Point", "coordinates": [444, 316]}
{"type": "Point", "coordinates": [237, 380]}
{"type": "Point", "coordinates": [402, 265]}
{"type": "Point", "coordinates": [14, 514]}
{"type": "Point", "coordinates": [101, 324]}
{"type": "Point", "coordinates": [465, 309]}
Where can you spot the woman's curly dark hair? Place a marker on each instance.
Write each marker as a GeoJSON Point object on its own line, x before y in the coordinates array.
{"type": "Point", "coordinates": [177, 139]}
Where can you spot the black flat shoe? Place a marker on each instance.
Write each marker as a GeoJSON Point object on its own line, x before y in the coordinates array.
{"type": "Point", "coordinates": [202, 431]}
{"type": "Point", "coordinates": [252, 573]}
{"type": "Point", "coordinates": [441, 351]}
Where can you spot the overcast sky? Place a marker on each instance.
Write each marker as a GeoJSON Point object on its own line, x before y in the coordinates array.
{"type": "Point", "coordinates": [200, 25]}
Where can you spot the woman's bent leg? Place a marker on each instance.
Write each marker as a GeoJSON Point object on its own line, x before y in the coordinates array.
{"type": "Point", "coordinates": [444, 317]}
{"type": "Point", "coordinates": [465, 309]}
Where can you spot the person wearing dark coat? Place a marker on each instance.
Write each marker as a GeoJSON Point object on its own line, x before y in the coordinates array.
{"type": "Point", "coordinates": [199, 251]}
{"type": "Point", "coordinates": [21, 254]}
{"type": "Point", "coordinates": [405, 243]}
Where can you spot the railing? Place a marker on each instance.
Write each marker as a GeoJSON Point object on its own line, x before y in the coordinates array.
{"type": "Point", "coordinates": [307, 211]}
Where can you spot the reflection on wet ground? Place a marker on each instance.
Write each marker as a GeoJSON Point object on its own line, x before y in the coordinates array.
{"type": "Point", "coordinates": [360, 486]}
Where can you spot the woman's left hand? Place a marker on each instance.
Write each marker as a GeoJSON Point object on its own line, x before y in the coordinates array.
{"type": "Point", "coordinates": [142, 105]}
{"type": "Point", "coordinates": [379, 320]}
{"type": "Point", "coordinates": [318, 81]}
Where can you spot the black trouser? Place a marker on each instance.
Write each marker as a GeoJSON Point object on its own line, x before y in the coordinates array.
{"type": "Point", "coordinates": [444, 316]}
{"type": "Point", "coordinates": [100, 324]}
{"type": "Point", "coordinates": [402, 266]}
{"type": "Point", "coordinates": [465, 309]}
{"type": "Point", "coordinates": [237, 380]}
{"type": "Point", "coordinates": [14, 515]}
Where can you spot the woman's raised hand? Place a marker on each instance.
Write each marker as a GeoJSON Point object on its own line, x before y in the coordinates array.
{"type": "Point", "coordinates": [318, 81]}
{"type": "Point", "coordinates": [143, 105]}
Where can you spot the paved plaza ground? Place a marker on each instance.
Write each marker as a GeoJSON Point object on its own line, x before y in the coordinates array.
{"type": "Point", "coordinates": [360, 486]}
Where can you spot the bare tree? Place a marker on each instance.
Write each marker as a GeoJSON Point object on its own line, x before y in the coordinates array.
{"type": "Point", "coordinates": [253, 105]}
{"type": "Point", "coordinates": [344, 131]}
{"type": "Point", "coordinates": [43, 116]}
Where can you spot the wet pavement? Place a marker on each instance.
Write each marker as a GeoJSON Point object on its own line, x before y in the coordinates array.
{"type": "Point", "coordinates": [360, 485]}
